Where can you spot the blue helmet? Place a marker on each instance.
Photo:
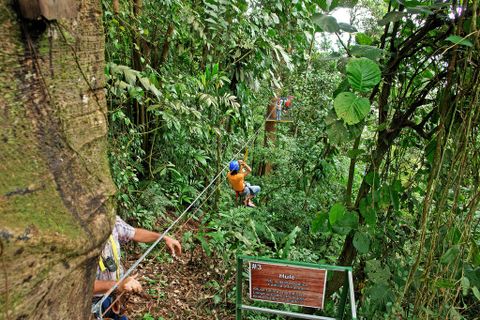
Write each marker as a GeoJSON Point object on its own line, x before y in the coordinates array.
{"type": "Point", "coordinates": [234, 166]}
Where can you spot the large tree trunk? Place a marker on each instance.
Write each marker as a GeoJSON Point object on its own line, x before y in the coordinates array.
{"type": "Point", "coordinates": [55, 183]}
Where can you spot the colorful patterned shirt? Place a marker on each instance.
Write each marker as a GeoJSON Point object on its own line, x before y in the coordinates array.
{"type": "Point", "coordinates": [122, 233]}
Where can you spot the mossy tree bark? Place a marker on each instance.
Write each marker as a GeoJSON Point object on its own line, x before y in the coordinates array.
{"type": "Point", "coordinates": [55, 183]}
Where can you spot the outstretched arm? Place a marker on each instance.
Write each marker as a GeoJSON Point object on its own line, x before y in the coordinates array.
{"type": "Point", "coordinates": [102, 286]}
{"type": "Point", "coordinates": [142, 235]}
{"type": "Point", "coordinates": [130, 284]}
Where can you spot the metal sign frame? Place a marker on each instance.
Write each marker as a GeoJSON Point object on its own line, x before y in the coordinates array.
{"type": "Point", "coordinates": [347, 288]}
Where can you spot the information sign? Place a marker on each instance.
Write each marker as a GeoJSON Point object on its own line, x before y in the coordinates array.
{"type": "Point", "coordinates": [289, 284]}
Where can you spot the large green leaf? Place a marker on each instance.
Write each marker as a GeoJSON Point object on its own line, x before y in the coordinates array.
{"type": "Point", "coordinates": [336, 213]}
{"type": "Point", "coordinates": [320, 223]}
{"type": "Point", "coordinates": [347, 223]}
{"type": "Point", "coordinates": [350, 108]}
{"type": "Point", "coordinates": [363, 39]}
{"type": "Point", "coordinates": [290, 241]}
{"type": "Point", "coordinates": [459, 40]}
{"type": "Point", "coordinates": [336, 129]}
{"type": "Point", "coordinates": [370, 52]}
{"type": "Point", "coordinates": [465, 282]}
{"type": "Point", "coordinates": [368, 212]}
{"type": "Point", "coordinates": [347, 27]}
{"type": "Point", "coordinates": [476, 293]}
{"type": "Point", "coordinates": [326, 22]}
{"type": "Point", "coordinates": [363, 74]}
{"type": "Point", "coordinates": [337, 132]}
{"type": "Point", "coordinates": [451, 255]}
{"type": "Point", "coordinates": [361, 242]}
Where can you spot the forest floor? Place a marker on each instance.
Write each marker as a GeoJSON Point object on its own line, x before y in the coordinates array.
{"type": "Point", "coordinates": [176, 288]}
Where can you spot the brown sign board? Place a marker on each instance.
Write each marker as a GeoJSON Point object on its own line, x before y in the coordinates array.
{"type": "Point", "coordinates": [289, 284]}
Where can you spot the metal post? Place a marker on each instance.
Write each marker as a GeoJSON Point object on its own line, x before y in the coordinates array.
{"type": "Point", "coordinates": [287, 313]}
{"type": "Point", "coordinates": [239, 288]}
{"type": "Point", "coordinates": [343, 299]}
{"type": "Point", "coordinates": [352, 296]}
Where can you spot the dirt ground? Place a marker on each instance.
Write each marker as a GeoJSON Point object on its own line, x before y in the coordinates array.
{"type": "Point", "coordinates": [179, 288]}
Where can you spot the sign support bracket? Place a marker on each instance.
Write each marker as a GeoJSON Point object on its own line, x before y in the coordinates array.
{"type": "Point", "coordinates": [286, 313]}
{"type": "Point", "coordinates": [239, 288]}
{"type": "Point", "coordinates": [343, 299]}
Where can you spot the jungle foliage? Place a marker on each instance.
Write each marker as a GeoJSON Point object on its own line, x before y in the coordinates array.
{"type": "Point", "coordinates": [380, 168]}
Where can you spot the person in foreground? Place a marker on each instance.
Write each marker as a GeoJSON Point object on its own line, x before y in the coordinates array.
{"type": "Point", "coordinates": [110, 268]}
{"type": "Point", "coordinates": [238, 171]}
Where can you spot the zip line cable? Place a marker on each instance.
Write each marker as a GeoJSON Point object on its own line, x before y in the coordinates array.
{"type": "Point", "coordinates": [180, 228]}
{"type": "Point", "coordinates": [97, 307]}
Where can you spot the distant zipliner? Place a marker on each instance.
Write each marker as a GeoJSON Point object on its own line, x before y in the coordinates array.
{"type": "Point", "coordinates": [236, 177]}
{"type": "Point", "coordinates": [282, 105]}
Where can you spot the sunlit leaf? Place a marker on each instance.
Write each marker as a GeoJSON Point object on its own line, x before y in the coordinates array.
{"type": "Point", "coordinates": [350, 108]}
{"type": "Point", "coordinates": [476, 293]}
{"type": "Point", "coordinates": [444, 283]}
{"type": "Point", "coordinates": [363, 74]}
{"type": "Point", "coordinates": [275, 18]}
{"type": "Point", "coordinates": [465, 285]}
{"type": "Point", "coordinates": [363, 39]}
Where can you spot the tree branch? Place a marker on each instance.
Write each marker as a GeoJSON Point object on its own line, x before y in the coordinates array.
{"type": "Point", "coordinates": [420, 128]}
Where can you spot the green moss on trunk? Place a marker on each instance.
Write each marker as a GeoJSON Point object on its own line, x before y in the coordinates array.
{"type": "Point", "coordinates": [55, 184]}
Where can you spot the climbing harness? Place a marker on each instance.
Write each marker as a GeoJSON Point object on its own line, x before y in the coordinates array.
{"type": "Point", "coordinates": [96, 308]}
{"type": "Point", "coordinates": [115, 267]}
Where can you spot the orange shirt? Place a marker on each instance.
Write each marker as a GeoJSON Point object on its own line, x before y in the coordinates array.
{"type": "Point", "coordinates": [237, 181]}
